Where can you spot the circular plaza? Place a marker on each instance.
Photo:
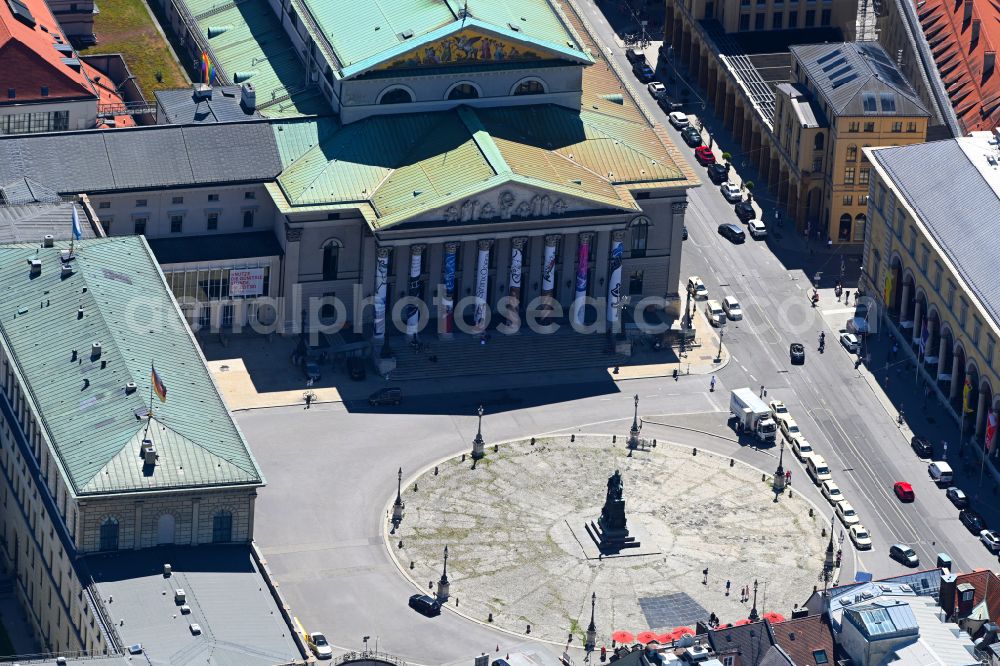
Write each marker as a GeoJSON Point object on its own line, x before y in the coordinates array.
{"type": "Point", "coordinates": [523, 533]}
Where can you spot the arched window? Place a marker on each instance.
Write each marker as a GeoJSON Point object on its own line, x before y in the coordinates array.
{"type": "Point", "coordinates": [844, 232]}
{"type": "Point", "coordinates": [331, 259]}
{"type": "Point", "coordinates": [640, 234]}
{"type": "Point", "coordinates": [859, 227]}
{"type": "Point", "coordinates": [463, 91]}
{"type": "Point", "coordinates": [852, 153]}
{"type": "Point", "coordinates": [222, 527]}
{"type": "Point", "coordinates": [818, 142]}
{"type": "Point", "coordinates": [396, 96]}
{"type": "Point", "coordinates": [529, 87]}
{"type": "Point", "coordinates": [109, 534]}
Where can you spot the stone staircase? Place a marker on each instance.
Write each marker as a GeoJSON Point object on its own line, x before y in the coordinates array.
{"type": "Point", "coordinates": [503, 354]}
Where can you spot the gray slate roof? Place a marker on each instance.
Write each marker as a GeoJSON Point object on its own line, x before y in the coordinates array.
{"type": "Point", "coordinates": [32, 222]}
{"type": "Point", "coordinates": [179, 106]}
{"type": "Point", "coordinates": [848, 74]}
{"type": "Point", "coordinates": [24, 191]}
{"type": "Point", "coordinates": [142, 158]}
{"type": "Point", "coordinates": [751, 641]}
{"type": "Point", "coordinates": [957, 206]}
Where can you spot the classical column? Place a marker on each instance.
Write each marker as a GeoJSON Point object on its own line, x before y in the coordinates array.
{"type": "Point", "coordinates": [615, 276]}
{"type": "Point", "coordinates": [195, 521]}
{"type": "Point", "coordinates": [412, 311]}
{"type": "Point", "coordinates": [904, 304]}
{"type": "Point", "coordinates": [290, 311]}
{"type": "Point", "coordinates": [942, 356]}
{"type": "Point", "coordinates": [956, 367]}
{"type": "Point", "coordinates": [582, 270]}
{"type": "Point", "coordinates": [482, 283]}
{"type": "Point", "coordinates": [516, 261]}
{"type": "Point", "coordinates": [549, 270]}
{"type": "Point", "coordinates": [448, 278]}
{"type": "Point", "coordinates": [918, 322]}
{"type": "Point", "coordinates": [981, 416]}
{"type": "Point", "coordinates": [381, 287]}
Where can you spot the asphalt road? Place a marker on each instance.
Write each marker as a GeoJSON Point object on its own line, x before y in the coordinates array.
{"type": "Point", "coordinates": [331, 472]}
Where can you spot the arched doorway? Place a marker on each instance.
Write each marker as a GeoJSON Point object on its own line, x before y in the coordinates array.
{"type": "Point", "coordinates": [844, 228]}
{"type": "Point", "coordinates": [813, 201]}
{"type": "Point", "coordinates": [985, 400]}
{"type": "Point", "coordinates": [957, 377]}
{"type": "Point", "coordinates": [943, 350]}
{"type": "Point", "coordinates": [891, 290]}
{"type": "Point", "coordinates": [165, 529]}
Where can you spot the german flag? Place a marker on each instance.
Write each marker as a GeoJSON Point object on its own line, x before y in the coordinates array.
{"type": "Point", "coordinates": [158, 386]}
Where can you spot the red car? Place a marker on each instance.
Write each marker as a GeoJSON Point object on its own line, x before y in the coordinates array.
{"type": "Point", "coordinates": [704, 155]}
{"type": "Point", "coordinates": [904, 491]}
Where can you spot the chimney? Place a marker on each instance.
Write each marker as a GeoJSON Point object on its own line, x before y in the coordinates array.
{"type": "Point", "coordinates": [964, 600]}
{"type": "Point", "coordinates": [946, 595]}
{"type": "Point", "coordinates": [36, 266]}
{"type": "Point", "coordinates": [967, 13]}
{"type": "Point", "coordinates": [48, 240]}
{"type": "Point", "coordinates": [248, 97]}
{"type": "Point", "coordinates": [989, 62]}
{"type": "Point", "coordinates": [95, 351]}
{"type": "Point", "coordinates": [976, 25]}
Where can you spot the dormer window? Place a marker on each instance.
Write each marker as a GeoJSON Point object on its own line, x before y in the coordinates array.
{"type": "Point", "coordinates": [529, 87]}
{"type": "Point", "coordinates": [11, 93]}
{"type": "Point", "coordinates": [45, 91]}
{"type": "Point", "coordinates": [463, 91]}
{"type": "Point", "coordinates": [396, 95]}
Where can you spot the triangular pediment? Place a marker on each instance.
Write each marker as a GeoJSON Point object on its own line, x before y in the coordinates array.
{"type": "Point", "coordinates": [464, 43]}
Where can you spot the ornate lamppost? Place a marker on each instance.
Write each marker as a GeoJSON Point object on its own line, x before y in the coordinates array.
{"type": "Point", "coordinates": [591, 642]}
{"type": "Point", "coordinates": [444, 587]}
{"type": "Point", "coordinates": [398, 505]}
{"type": "Point", "coordinates": [478, 445]}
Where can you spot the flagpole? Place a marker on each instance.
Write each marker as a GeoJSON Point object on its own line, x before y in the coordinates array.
{"type": "Point", "coordinates": [149, 416]}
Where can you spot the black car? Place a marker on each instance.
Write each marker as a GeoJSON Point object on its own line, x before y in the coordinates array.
{"type": "Point", "coordinates": [718, 173]}
{"type": "Point", "coordinates": [691, 136]}
{"type": "Point", "coordinates": [634, 56]}
{"type": "Point", "coordinates": [972, 521]}
{"type": "Point", "coordinates": [643, 71]}
{"type": "Point", "coordinates": [668, 104]}
{"type": "Point", "coordinates": [356, 368]}
{"type": "Point", "coordinates": [922, 447]}
{"type": "Point", "coordinates": [386, 396]}
{"type": "Point", "coordinates": [732, 233]}
{"type": "Point", "coordinates": [797, 353]}
{"type": "Point", "coordinates": [425, 605]}
{"type": "Point", "coordinates": [745, 211]}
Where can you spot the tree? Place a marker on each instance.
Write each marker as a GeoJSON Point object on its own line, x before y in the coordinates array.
{"type": "Point", "coordinates": [727, 157]}
{"type": "Point", "coordinates": [748, 186]}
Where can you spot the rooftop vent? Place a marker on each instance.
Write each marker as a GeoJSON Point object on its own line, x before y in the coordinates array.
{"type": "Point", "coordinates": [79, 315]}
{"type": "Point", "coordinates": [167, 570]}
{"type": "Point", "coordinates": [130, 388]}
{"type": "Point", "coordinates": [514, 27]}
{"type": "Point", "coordinates": [406, 34]}
{"type": "Point", "coordinates": [36, 266]}
{"type": "Point", "coordinates": [66, 271]}
{"type": "Point", "coordinates": [179, 596]}
{"type": "Point", "coordinates": [95, 350]}
{"type": "Point", "coordinates": [48, 240]}
{"type": "Point", "coordinates": [248, 97]}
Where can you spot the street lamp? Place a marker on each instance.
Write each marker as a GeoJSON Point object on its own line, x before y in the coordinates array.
{"type": "Point", "coordinates": [633, 433]}
{"type": "Point", "coordinates": [722, 331]}
{"type": "Point", "coordinates": [478, 444]}
{"type": "Point", "coordinates": [779, 475]}
{"type": "Point", "coordinates": [754, 615]}
{"type": "Point", "coordinates": [686, 319]}
{"type": "Point", "coordinates": [591, 642]}
{"type": "Point", "coordinates": [444, 587]}
{"type": "Point", "coordinates": [398, 505]}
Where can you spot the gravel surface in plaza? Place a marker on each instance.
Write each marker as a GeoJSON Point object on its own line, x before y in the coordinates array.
{"type": "Point", "coordinates": [514, 527]}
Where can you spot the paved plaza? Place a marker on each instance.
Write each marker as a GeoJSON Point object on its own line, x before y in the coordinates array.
{"type": "Point", "coordinates": [517, 547]}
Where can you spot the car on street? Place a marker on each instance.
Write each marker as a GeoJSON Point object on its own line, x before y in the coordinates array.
{"type": "Point", "coordinates": [778, 410]}
{"type": "Point", "coordinates": [922, 447]}
{"type": "Point", "coordinates": [319, 645]}
{"type": "Point", "coordinates": [831, 491]}
{"type": "Point", "coordinates": [656, 89]}
{"type": "Point", "coordinates": [697, 287]}
{"type": "Point", "coordinates": [732, 308]}
{"type": "Point", "coordinates": [957, 497]}
{"type": "Point", "coordinates": [797, 353]}
{"type": "Point", "coordinates": [757, 228]}
{"type": "Point", "coordinates": [691, 136]}
{"type": "Point", "coordinates": [643, 71]}
{"type": "Point", "coordinates": [634, 56]}
{"type": "Point", "coordinates": [990, 539]}
{"type": "Point", "coordinates": [904, 491]}
{"type": "Point", "coordinates": [718, 173]}
{"type": "Point", "coordinates": [356, 368]}
{"type": "Point", "coordinates": [789, 428]}
{"type": "Point", "coordinates": [744, 211]}
{"type": "Point", "coordinates": [859, 535]}
{"type": "Point", "coordinates": [802, 448]}
{"type": "Point", "coordinates": [668, 105]}
{"type": "Point", "coordinates": [972, 521]}
{"type": "Point", "coordinates": [847, 514]}
{"type": "Point", "coordinates": [679, 119]}
{"type": "Point", "coordinates": [850, 342]}
{"type": "Point", "coordinates": [704, 155]}
{"type": "Point", "coordinates": [904, 554]}
{"type": "Point", "coordinates": [732, 233]}
{"type": "Point", "coordinates": [386, 396]}
{"type": "Point", "coordinates": [425, 605]}
{"type": "Point", "coordinates": [732, 192]}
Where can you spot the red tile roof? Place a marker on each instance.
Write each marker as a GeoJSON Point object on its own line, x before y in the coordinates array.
{"type": "Point", "coordinates": [974, 91]}
{"type": "Point", "coordinates": [987, 586]}
{"type": "Point", "coordinates": [802, 637]}
{"type": "Point", "coordinates": [30, 60]}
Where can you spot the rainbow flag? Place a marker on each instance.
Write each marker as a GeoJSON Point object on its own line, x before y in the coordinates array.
{"type": "Point", "coordinates": [158, 386]}
{"type": "Point", "coordinates": [207, 69]}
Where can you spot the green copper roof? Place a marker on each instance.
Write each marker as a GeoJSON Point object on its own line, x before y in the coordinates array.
{"type": "Point", "coordinates": [94, 425]}
{"type": "Point", "coordinates": [247, 39]}
{"type": "Point", "coordinates": [366, 31]}
{"type": "Point", "coordinates": [408, 164]}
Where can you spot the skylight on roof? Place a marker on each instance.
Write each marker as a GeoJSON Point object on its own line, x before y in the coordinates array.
{"type": "Point", "coordinates": [828, 56]}
{"type": "Point", "coordinates": [21, 12]}
{"type": "Point", "coordinates": [835, 64]}
{"type": "Point", "coordinates": [847, 79]}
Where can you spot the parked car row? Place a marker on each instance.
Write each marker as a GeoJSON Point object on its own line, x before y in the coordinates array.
{"type": "Point", "coordinates": [716, 312]}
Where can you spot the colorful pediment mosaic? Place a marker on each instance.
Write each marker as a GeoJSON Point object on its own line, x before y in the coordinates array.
{"type": "Point", "coordinates": [463, 48]}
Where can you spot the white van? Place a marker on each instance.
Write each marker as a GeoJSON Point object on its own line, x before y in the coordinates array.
{"type": "Point", "coordinates": [716, 315]}
{"type": "Point", "coordinates": [940, 472]}
{"type": "Point", "coordinates": [756, 229]}
{"type": "Point", "coordinates": [818, 469]}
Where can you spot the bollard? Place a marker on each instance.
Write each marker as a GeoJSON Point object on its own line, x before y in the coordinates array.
{"type": "Point", "coordinates": [790, 493]}
{"type": "Point", "coordinates": [614, 439]}
{"type": "Point", "coordinates": [414, 486]}
{"type": "Point", "coordinates": [532, 441]}
{"type": "Point", "coordinates": [763, 477]}
{"type": "Point", "coordinates": [811, 514]}
{"type": "Point", "coordinates": [528, 630]}
{"type": "Point", "coordinates": [694, 451]}
{"type": "Point", "coordinates": [732, 463]}
{"type": "Point", "coordinates": [572, 438]}
{"type": "Point", "coordinates": [496, 447]}
{"type": "Point", "coordinates": [412, 564]}
{"type": "Point", "coordinates": [654, 443]}
{"type": "Point", "coordinates": [400, 544]}
{"type": "Point", "coordinates": [435, 470]}
{"type": "Point", "coordinates": [463, 457]}
{"type": "Point", "coordinates": [490, 618]}
{"type": "Point", "coordinates": [823, 533]}
{"type": "Point", "coordinates": [430, 585]}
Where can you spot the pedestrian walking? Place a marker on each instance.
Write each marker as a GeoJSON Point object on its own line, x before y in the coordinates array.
{"type": "Point", "coordinates": [705, 574]}
{"type": "Point", "coordinates": [944, 446]}
{"type": "Point", "coordinates": [713, 383]}
{"type": "Point", "coordinates": [788, 478]}
{"type": "Point", "coordinates": [847, 296]}
{"type": "Point", "coordinates": [727, 587]}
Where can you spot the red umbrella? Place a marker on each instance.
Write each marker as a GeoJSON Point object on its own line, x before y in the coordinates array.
{"type": "Point", "coordinates": [740, 623]}
{"type": "Point", "coordinates": [680, 631]}
{"type": "Point", "coordinates": [622, 637]}
{"type": "Point", "coordinates": [773, 617]}
{"type": "Point", "coordinates": [666, 638]}
{"type": "Point", "coordinates": [646, 637]}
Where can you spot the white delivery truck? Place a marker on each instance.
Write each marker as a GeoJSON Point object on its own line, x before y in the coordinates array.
{"type": "Point", "coordinates": [752, 414]}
